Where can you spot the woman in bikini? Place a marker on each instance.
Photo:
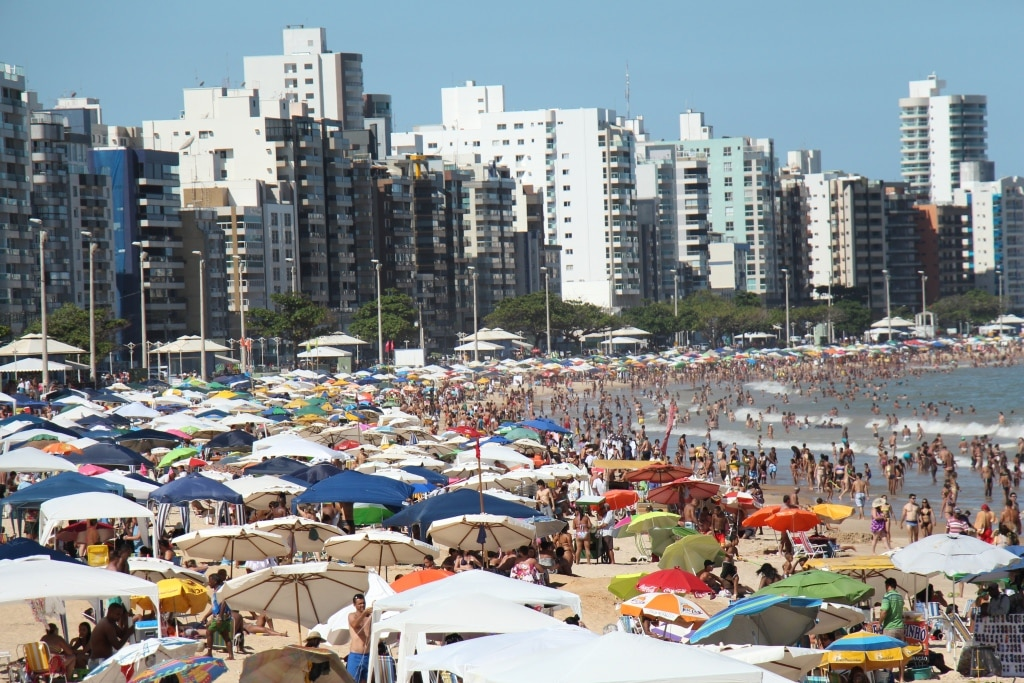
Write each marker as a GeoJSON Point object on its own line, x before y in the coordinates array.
{"type": "Point", "coordinates": [927, 518]}
{"type": "Point", "coordinates": [581, 532]}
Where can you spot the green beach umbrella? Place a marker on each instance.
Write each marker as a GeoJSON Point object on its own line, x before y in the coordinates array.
{"type": "Point", "coordinates": [177, 454]}
{"type": "Point", "coordinates": [815, 583]}
{"type": "Point", "coordinates": [623, 586]}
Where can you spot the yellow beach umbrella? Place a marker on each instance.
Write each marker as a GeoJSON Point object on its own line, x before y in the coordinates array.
{"type": "Point", "coordinates": [869, 651]}
{"type": "Point", "coordinates": [831, 512]}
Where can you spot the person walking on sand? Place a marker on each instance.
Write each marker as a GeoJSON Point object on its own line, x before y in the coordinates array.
{"type": "Point", "coordinates": [878, 524]}
{"type": "Point", "coordinates": [860, 488]}
{"type": "Point", "coordinates": [359, 650]}
{"type": "Point", "coordinates": [909, 518]}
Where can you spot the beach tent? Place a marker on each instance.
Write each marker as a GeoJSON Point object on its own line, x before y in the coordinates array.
{"type": "Point", "coordinates": [465, 613]}
{"type": "Point", "coordinates": [356, 487]}
{"type": "Point", "coordinates": [627, 658]}
{"type": "Point", "coordinates": [108, 455]}
{"type": "Point", "coordinates": [93, 504]}
{"type": "Point", "coordinates": [64, 484]}
{"type": "Point", "coordinates": [32, 578]}
{"type": "Point", "coordinates": [479, 581]}
{"type": "Point", "coordinates": [19, 548]}
{"type": "Point", "coordinates": [288, 444]}
{"type": "Point", "coordinates": [236, 439]}
{"type": "Point", "coordinates": [136, 411]}
{"type": "Point", "coordinates": [461, 502]}
{"type": "Point", "coordinates": [504, 650]}
{"type": "Point", "coordinates": [279, 467]}
{"type": "Point", "coordinates": [136, 486]}
{"type": "Point", "coordinates": [186, 489]}
{"type": "Point", "coordinates": [30, 459]}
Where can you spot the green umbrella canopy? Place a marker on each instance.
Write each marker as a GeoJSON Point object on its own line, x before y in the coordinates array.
{"type": "Point", "coordinates": [177, 454]}
{"type": "Point", "coordinates": [517, 433]}
{"type": "Point", "coordinates": [623, 586]}
{"type": "Point", "coordinates": [815, 583]}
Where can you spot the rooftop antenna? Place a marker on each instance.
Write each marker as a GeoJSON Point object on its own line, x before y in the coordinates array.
{"type": "Point", "coordinates": [627, 91]}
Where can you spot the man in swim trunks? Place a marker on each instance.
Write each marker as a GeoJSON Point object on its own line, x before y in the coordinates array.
{"type": "Point", "coordinates": [909, 518]}
{"type": "Point", "coordinates": [860, 493]}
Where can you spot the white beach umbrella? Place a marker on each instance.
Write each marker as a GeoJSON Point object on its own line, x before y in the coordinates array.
{"type": "Point", "coordinates": [233, 542]}
{"type": "Point", "coordinates": [951, 554]}
{"type": "Point", "coordinates": [491, 532]}
{"type": "Point", "coordinates": [259, 492]}
{"type": "Point", "coordinates": [304, 593]}
{"type": "Point", "coordinates": [154, 569]}
{"type": "Point", "coordinates": [789, 662]}
{"type": "Point", "coordinates": [30, 459]}
{"type": "Point", "coordinates": [400, 475]}
{"type": "Point", "coordinates": [379, 549]}
{"type": "Point", "coordinates": [304, 535]}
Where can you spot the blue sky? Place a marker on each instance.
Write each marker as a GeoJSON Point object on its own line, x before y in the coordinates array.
{"type": "Point", "coordinates": [815, 74]}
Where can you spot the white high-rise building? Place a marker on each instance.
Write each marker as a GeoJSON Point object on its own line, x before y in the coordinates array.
{"type": "Point", "coordinates": [937, 133]}
{"type": "Point", "coordinates": [330, 84]}
{"type": "Point", "coordinates": [997, 222]}
{"type": "Point", "coordinates": [580, 160]}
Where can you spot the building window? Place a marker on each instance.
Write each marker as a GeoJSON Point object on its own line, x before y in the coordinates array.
{"type": "Point", "coordinates": [566, 188]}
{"type": "Point", "coordinates": [307, 67]}
{"type": "Point", "coordinates": [309, 81]}
{"type": "Point", "coordinates": [518, 126]}
{"type": "Point", "coordinates": [502, 126]}
{"type": "Point", "coordinates": [728, 181]}
{"type": "Point", "coordinates": [727, 152]}
{"type": "Point", "coordinates": [290, 68]}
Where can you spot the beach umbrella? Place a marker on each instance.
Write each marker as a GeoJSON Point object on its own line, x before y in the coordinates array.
{"type": "Point", "coordinates": [236, 543]}
{"type": "Point", "coordinates": [379, 549]}
{"type": "Point", "coordinates": [419, 578]}
{"type": "Point", "coordinates": [832, 617]}
{"type": "Point", "coordinates": [623, 586]}
{"type": "Point", "coordinates": [19, 548]}
{"type": "Point", "coordinates": [661, 539]}
{"type": "Point", "coordinates": [303, 535]}
{"type": "Point", "coordinates": [142, 440]}
{"type": "Point", "coordinates": [177, 454]}
{"type": "Point", "coordinates": [998, 574]}
{"type": "Point", "coordinates": [154, 569]}
{"type": "Point", "coordinates": [951, 554]}
{"type": "Point", "coordinates": [673, 581]}
{"type": "Point", "coordinates": [180, 595]}
{"type": "Point", "coordinates": [760, 517]}
{"type": "Point", "coordinates": [295, 664]}
{"type": "Point", "coordinates": [658, 473]}
{"type": "Point", "coordinates": [517, 433]}
{"type": "Point", "coordinates": [689, 553]}
{"type": "Point", "coordinates": [789, 662]}
{"type": "Point", "coordinates": [673, 492]}
{"type": "Point", "coordinates": [815, 583]}
{"type": "Point", "coordinates": [668, 607]}
{"type": "Point", "coordinates": [489, 532]}
{"type": "Point", "coordinates": [76, 533]}
{"type": "Point", "coordinates": [618, 499]}
{"type": "Point", "coordinates": [869, 651]}
{"type": "Point", "coordinates": [792, 520]}
{"type": "Point", "coordinates": [259, 492]}
{"type": "Point", "coordinates": [281, 466]}
{"type": "Point", "coordinates": [545, 426]}
{"type": "Point", "coordinates": [831, 512]}
{"type": "Point", "coordinates": [760, 620]}
{"type": "Point", "coordinates": [190, 670]}
{"type": "Point", "coordinates": [30, 459]}
{"type": "Point", "coordinates": [737, 500]}
{"type": "Point", "coordinates": [108, 455]}
{"type": "Point", "coordinates": [144, 654]}
{"type": "Point", "coordinates": [236, 439]}
{"type": "Point", "coordinates": [307, 594]}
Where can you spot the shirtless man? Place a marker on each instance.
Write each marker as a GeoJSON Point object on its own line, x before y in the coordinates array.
{"type": "Point", "coordinates": [359, 632]}
{"type": "Point", "coordinates": [545, 501]}
{"type": "Point", "coordinates": [860, 489]}
{"type": "Point", "coordinates": [909, 518]}
{"type": "Point", "coordinates": [689, 516]}
{"type": "Point", "coordinates": [712, 581]}
{"type": "Point", "coordinates": [110, 634]}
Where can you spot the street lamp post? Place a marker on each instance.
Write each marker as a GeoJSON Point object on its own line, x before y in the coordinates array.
{"type": "Point", "coordinates": [785, 272]}
{"type": "Point", "coordinates": [547, 305]}
{"type": "Point", "coordinates": [999, 274]}
{"type": "Point", "coordinates": [675, 300]}
{"type": "Point", "coordinates": [476, 329]}
{"type": "Point", "coordinates": [142, 306]}
{"type": "Point", "coordinates": [92, 306]}
{"type": "Point", "coordinates": [42, 302]}
{"type": "Point", "coordinates": [380, 315]}
{"type": "Point", "coordinates": [888, 302]}
{"type": "Point", "coordinates": [202, 314]}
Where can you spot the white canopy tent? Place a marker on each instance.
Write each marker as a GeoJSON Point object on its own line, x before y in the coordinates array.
{"type": "Point", "coordinates": [30, 459]}
{"type": "Point", "coordinates": [31, 365]}
{"type": "Point", "coordinates": [466, 614]}
{"type": "Point", "coordinates": [32, 345]}
{"type": "Point", "coordinates": [491, 453]}
{"type": "Point", "coordinates": [479, 581]}
{"type": "Point", "coordinates": [324, 352]}
{"type": "Point", "coordinates": [92, 505]}
{"type": "Point", "coordinates": [496, 334]}
{"type": "Point", "coordinates": [626, 658]}
{"type": "Point", "coordinates": [479, 346]}
{"type": "Point", "coordinates": [465, 659]}
{"type": "Point", "coordinates": [333, 339]}
{"type": "Point", "coordinates": [32, 578]}
{"type": "Point", "coordinates": [134, 487]}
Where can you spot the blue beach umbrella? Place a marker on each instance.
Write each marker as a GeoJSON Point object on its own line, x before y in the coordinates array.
{"type": "Point", "coordinates": [760, 620]}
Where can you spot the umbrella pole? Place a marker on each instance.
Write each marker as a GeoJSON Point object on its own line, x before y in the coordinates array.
{"type": "Point", "coordinates": [298, 614]}
{"type": "Point", "coordinates": [479, 475]}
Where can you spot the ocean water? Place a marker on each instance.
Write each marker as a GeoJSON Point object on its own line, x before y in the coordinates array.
{"type": "Point", "coordinates": [986, 390]}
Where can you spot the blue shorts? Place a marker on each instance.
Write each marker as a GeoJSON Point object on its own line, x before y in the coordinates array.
{"type": "Point", "coordinates": [358, 666]}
